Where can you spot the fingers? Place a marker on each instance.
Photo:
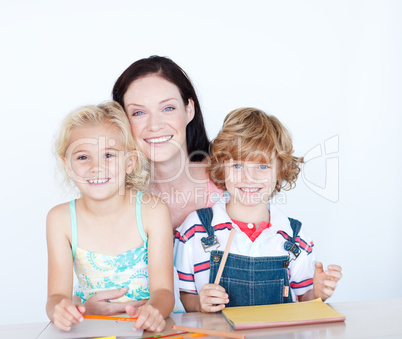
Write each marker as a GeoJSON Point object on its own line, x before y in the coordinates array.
{"type": "Point", "coordinates": [319, 268]}
{"type": "Point", "coordinates": [334, 272]}
{"type": "Point", "coordinates": [66, 314]}
{"type": "Point", "coordinates": [99, 302]}
{"type": "Point", "coordinates": [110, 295]}
{"type": "Point", "coordinates": [149, 318]}
{"type": "Point", "coordinates": [213, 298]}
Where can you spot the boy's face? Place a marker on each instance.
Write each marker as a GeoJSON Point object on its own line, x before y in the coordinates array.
{"type": "Point", "coordinates": [250, 183]}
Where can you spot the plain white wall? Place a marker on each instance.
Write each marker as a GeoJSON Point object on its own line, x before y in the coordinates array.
{"type": "Point", "coordinates": [331, 71]}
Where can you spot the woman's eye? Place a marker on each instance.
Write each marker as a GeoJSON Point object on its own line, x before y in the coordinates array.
{"type": "Point", "coordinates": [137, 113]}
{"type": "Point", "coordinates": [167, 109]}
{"type": "Point", "coordinates": [82, 157]}
{"type": "Point", "coordinates": [237, 166]}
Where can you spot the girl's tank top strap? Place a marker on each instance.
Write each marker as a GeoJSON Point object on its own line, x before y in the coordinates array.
{"type": "Point", "coordinates": [139, 218]}
{"type": "Point", "coordinates": [73, 216]}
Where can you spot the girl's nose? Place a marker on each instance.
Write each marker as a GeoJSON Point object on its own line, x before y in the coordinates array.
{"type": "Point", "coordinates": [97, 165]}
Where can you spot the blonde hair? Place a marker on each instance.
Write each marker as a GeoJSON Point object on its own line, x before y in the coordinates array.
{"type": "Point", "coordinates": [113, 115]}
{"type": "Point", "coordinates": [249, 134]}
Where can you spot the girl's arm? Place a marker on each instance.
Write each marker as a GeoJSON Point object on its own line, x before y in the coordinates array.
{"type": "Point", "coordinates": [157, 226]}
{"type": "Point", "coordinates": [60, 307]}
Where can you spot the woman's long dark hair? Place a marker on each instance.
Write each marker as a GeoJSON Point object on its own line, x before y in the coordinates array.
{"type": "Point", "coordinates": [196, 135]}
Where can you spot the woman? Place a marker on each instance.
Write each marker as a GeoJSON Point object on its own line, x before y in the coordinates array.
{"type": "Point", "coordinates": [168, 127]}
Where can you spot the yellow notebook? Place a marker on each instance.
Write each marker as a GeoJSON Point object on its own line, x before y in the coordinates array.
{"type": "Point", "coordinates": [300, 313]}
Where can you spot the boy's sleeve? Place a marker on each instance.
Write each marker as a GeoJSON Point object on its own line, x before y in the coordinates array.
{"type": "Point", "coordinates": [183, 258]}
{"type": "Point", "coordinates": [302, 269]}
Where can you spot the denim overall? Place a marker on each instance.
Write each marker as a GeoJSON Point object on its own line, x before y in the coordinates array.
{"type": "Point", "coordinates": [251, 280]}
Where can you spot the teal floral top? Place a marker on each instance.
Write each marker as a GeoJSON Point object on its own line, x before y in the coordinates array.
{"type": "Point", "coordinates": [99, 272]}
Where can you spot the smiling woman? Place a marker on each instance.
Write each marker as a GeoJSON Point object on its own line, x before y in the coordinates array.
{"type": "Point", "coordinates": [168, 127]}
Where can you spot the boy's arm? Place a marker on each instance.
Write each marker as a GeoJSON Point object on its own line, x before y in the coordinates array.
{"type": "Point", "coordinates": [60, 307]}
{"type": "Point", "coordinates": [324, 282]}
{"type": "Point", "coordinates": [212, 298]}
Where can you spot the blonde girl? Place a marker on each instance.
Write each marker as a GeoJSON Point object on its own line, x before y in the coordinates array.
{"type": "Point", "coordinates": [113, 235]}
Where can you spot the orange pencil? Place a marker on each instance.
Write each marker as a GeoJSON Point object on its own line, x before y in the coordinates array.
{"type": "Point", "coordinates": [106, 317]}
{"type": "Point", "coordinates": [210, 332]}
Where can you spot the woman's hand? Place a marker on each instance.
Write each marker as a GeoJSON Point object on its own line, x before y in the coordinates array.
{"type": "Point", "coordinates": [66, 314]}
{"type": "Point", "coordinates": [149, 318]}
{"type": "Point", "coordinates": [99, 302]}
{"type": "Point", "coordinates": [213, 298]}
{"type": "Point", "coordinates": [324, 282]}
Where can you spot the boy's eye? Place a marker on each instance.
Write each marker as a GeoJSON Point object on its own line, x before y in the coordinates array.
{"type": "Point", "coordinates": [263, 167]}
{"type": "Point", "coordinates": [237, 166]}
{"type": "Point", "coordinates": [82, 157]}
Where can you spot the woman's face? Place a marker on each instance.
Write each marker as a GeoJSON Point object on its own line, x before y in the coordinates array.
{"type": "Point", "coordinates": [158, 117]}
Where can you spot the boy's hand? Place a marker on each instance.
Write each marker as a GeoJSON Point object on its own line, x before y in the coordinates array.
{"type": "Point", "coordinates": [213, 298]}
{"type": "Point", "coordinates": [324, 282]}
{"type": "Point", "coordinates": [149, 318]}
{"type": "Point", "coordinates": [66, 314]}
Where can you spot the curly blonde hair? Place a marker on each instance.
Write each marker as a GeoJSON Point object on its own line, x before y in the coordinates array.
{"type": "Point", "coordinates": [249, 134]}
{"type": "Point", "coordinates": [113, 115]}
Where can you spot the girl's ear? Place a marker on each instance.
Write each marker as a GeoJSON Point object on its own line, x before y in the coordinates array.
{"type": "Point", "coordinates": [130, 162]}
{"type": "Point", "coordinates": [190, 110]}
{"type": "Point", "coordinates": [67, 167]}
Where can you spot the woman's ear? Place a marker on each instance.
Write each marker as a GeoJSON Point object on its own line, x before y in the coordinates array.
{"type": "Point", "coordinates": [190, 110]}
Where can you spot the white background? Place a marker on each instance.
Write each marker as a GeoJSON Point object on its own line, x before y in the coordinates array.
{"type": "Point", "coordinates": [326, 69]}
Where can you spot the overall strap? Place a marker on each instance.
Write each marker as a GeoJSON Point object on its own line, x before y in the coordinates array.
{"type": "Point", "coordinates": [73, 216]}
{"type": "Point", "coordinates": [139, 217]}
{"type": "Point", "coordinates": [205, 215]}
{"type": "Point", "coordinates": [290, 244]}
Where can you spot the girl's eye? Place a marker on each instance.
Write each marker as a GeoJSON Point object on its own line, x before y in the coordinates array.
{"type": "Point", "coordinates": [237, 166]}
{"type": "Point", "coordinates": [82, 157]}
{"type": "Point", "coordinates": [263, 167]}
{"type": "Point", "coordinates": [136, 113]}
{"type": "Point", "coordinates": [168, 109]}
{"type": "Point", "coordinates": [109, 155]}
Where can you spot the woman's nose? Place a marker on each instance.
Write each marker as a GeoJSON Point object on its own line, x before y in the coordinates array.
{"type": "Point", "coordinates": [155, 122]}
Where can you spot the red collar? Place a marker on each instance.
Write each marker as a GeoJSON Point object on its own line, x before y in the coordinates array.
{"type": "Point", "coordinates": [252, 232]}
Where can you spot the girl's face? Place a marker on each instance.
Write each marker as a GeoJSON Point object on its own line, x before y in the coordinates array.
{"type": "Point", "coordinates": [97, 161]}
{"type": "Point", "coordinates": [250, 183]}
{"type": "Point", "coordinates": [158, 117]}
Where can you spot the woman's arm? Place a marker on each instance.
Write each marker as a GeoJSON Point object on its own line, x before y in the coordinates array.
{"type": "Point", "coordinates": [157, 226]}
{"type": "Point", "coordinates": [60, 307]}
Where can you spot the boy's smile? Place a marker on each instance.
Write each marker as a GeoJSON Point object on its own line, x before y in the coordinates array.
{"type": "Point", "coordinates": [250, 183]}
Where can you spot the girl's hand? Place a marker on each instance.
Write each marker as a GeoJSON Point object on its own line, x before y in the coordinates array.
{"type": "Point", "coordinates": [66, 314]}
{"type": "Point", "coordinates": [324, 282]}
{"type": "Point", "coordinates": [149, 318]}
{"type": "Point", "coordinates": [213, 298]}
{"type": "Point", "coordinates": [99, 302]}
